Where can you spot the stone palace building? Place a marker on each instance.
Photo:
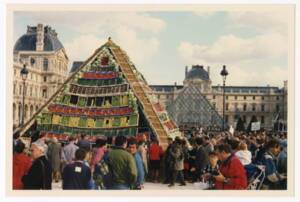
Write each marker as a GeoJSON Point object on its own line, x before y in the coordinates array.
{"type": "Point", "coordinates": [47, 63]}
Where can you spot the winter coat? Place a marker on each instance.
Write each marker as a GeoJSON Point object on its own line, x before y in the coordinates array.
{"type": "Point", "coordinates": [155, 152]}
{"type": "Point", "coordinates": [176, 153]}
{"type": "Point", "coordinates": [233, 170]}
{"type": "Point", "coordinates": [21, 165]}
{"type": "Point", "coordinates": [39, 175]}
{"type": "Point", "coordinates": [54, 152]}
{"type": "Point", "coordinates": [122, 166]}
{"type": "Point", "coordinates": [76, 175]}
{"type": "Point", "coordinates": [202, 159]}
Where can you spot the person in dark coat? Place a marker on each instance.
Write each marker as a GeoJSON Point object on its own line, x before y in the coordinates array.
{"type": "Point", "coordinates": [39, 175]}
{"type": "Point", "coordinates": [201, 160]}
{"type": "Point", "coordinates": [54, 157]}
{"type": "Point", "coordinates": [77, 175]}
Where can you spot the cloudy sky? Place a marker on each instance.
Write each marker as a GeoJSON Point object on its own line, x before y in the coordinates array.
{"type": "Point", "coordinates": [253, 45]}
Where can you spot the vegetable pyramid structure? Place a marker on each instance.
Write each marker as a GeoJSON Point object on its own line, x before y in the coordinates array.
{"type": "Point", "coordinates": [105, 96]}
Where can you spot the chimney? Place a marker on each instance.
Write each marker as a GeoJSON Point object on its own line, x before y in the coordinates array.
{"type": "Point", "coordinates": [285, 85]}
{"type": "Point", "coordinates": [40, 37]}
{"type": "Point", "coordinates": [186, 70]}
{"type": "Point", "coordinates": [208, 71]}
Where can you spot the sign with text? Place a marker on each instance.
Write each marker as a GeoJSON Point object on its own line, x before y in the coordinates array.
{"type": "Point", "coordinates": [255, 126]}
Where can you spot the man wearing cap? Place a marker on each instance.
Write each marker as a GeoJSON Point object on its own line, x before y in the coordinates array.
{"type": "Point", "coordinates": [39, 175]}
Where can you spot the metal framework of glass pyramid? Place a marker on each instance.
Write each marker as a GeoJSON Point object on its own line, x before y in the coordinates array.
{"type": "Point", "coordinates": [192, 108]}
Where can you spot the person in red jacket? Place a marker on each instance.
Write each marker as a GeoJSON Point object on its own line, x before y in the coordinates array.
{"type": "Point", "coordinates": [155, 153]}
{"type": "Point", "coordinates": [232, 173]}
{"type": "Point", "coordinates": [21, 165]}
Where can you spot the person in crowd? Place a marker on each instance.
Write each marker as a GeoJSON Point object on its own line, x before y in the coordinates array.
{"type": "Point", "coordinates": [39, 176]}
{"type": "Point", "coordinates": [207, 145]}
{"type": "Point", "coordinates": [243, 154]}
{"type": "Point", "coordinates": [282, 163]}
{"type": "Point", "coordinates": [232, 174]}
{"type": "Point", "coordinates": [143, 149]}
{"type": "Point", "coordinates": [54, 157]}
{"type": "Point", "coordinates": [77, 175]}
{"type": "Point", "coordinates": [98, 152]}
{"type": "Point", "coordinates": [273, 178]}
{"type": "Point", "coordinates": [132, 147]}
{"type": "Point", "coordinates": [155, 154]}
{"type": "Point", "coordinates": [176, 153]}
{"type": "Point", "coordinates": [84, 143]}
{"type": "Point", "coordinates": [168, 162]}
{"type": "Point", "coordinates": [211, 170]}
{"type": "Point", "coordinates": [122, 165]}
{"type": "Point", "coordinates": [201, 160]}
{"type": "Point", "coordinates": [186, 165]}
{"type": "Point", "coordinates": [16, 139]}
{"type": "Point", "coordinates": [21, 165]}
{"type": "Point", "coordinates": [68, 152]}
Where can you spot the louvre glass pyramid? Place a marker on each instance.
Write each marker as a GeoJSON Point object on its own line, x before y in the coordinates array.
{"type": "Point", "coordinates": [192, 108]}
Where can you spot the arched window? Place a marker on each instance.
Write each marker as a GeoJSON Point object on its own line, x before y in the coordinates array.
{"type": "Point", "coordinates": [14, 111]}
{"type": "Point", "coordinates": [36, 108]}
{"type": "Point", "coordinates": [45, 64]}
{"type": "Point", "coordinates": [20, 112]}
{"type": "Point", "coordinates": [26, 112]}
{"type": "Point", "coordinates": [31, 111]}
{"type": "Point", "coordinates": [20, 89]}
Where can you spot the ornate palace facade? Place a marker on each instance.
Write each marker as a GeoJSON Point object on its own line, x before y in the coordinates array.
{"type": "Point", "coordinates": [47, 63]}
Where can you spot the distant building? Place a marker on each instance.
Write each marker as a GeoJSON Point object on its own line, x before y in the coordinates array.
{"type": "Point", "coordinates": [47, 63]}
{"type": "Point", "coordinates": [267, 104]}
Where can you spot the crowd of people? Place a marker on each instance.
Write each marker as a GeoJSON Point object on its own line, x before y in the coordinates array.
{"type": "Point", "coordinates": [220, 160]}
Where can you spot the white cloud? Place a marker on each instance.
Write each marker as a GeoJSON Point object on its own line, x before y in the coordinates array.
{"type": "Point", "coordinates": [136, 33]}
{"type": "Point", "coordinates": [276, 20]}
{"type": "Point", "coordinates": [230, 48]}
{"type": "Point", "coordinates": [250, 61]}
{"type": "Point", "coordinates": [80, 48]}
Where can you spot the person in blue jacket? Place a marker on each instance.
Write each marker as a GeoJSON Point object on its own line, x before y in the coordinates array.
{"type": "Point", "coordinates": [132, 147]}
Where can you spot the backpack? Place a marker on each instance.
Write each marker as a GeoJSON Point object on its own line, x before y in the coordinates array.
{"type": "Point", "coordinates": [103, 174]}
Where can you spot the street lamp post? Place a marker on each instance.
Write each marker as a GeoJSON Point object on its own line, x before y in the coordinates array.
{"type": "Point", "coordinates": [24, 73]}
{"type": "Point", "coordinates": [224, 73]}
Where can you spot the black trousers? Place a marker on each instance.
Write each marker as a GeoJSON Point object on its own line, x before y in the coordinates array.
{"type": "Point", "coordinates": [177, 174]}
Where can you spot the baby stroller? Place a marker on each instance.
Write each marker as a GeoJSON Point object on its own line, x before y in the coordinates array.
{"type": "Point", "coordinates": [256, 175]}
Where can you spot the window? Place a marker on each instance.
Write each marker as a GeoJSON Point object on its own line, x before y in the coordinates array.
{"type": "Point", "coordinates": [277, 108]}
{"type": "Point", "coordinates": [227, 106]}
{"type": "Point", "coordinates": [244, 119]}
{"type": "Point", "coordinates": [45, 79]}
{"type": "Point", "coordinates": [226, 97]}
{"type": "Point", "coordinates": [235, 97]}
{"type": "Point", "coordinates": [253, 97]}
{"type": "Point", "coordinates": [214, 97]}
{"type": "Point", "coordinates": [277, 97]}
{"type": "Point", "coordinates": [226, 118]}
{"type": "Point", "coordinates": [263, 97]}
{"type": "Point", "coordinates": [20, 89]}
{"type": "Point", "coordinates": [245, 97]}
{"type": "Point", "coordinates": [245, 107]}
{"type": "Point", "coordinates": [253, 107]}
{"type": "Point", "coordinates": [44, 93]}
{"type": "Point", "coordinates": [30, 91]}
{"type": "Point", "coordinates": [32, 61]}
{"type": "Point", "coordinates": [158, 96]}
{"type": "Point", "coordinates": [104, 61]}
{"type": "Point", "coordinates": [14, 90]}
{"type": "Point", "coordinates": [214, 105]}
{"type": "Point", "coordinates": [262, 120]}
{"type": "Point", "coordinates": [262, 107]}
{"type": "Point", "coordinates": [45, 64]}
